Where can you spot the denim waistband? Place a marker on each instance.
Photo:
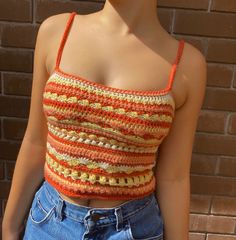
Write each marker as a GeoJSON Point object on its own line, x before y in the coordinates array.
{"type": "Point", "coordinates": [80, 213]}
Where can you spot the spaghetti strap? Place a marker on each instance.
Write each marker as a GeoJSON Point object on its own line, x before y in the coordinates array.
{"type": "Point", "coordinates": [180, 51]}
{"type": "Point", "coordinates": [64, 37]}
{"type": "Point", "coordinates": [176, 62]}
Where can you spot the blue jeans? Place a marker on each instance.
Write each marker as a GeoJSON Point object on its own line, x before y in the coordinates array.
{"type": "Point", "coordinates": [52, 217]}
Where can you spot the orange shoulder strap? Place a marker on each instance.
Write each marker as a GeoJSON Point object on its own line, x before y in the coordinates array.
{"type": "Point", "coordinates": [64, 37]}
{"type": "Point", "coordinates": [176, 62]}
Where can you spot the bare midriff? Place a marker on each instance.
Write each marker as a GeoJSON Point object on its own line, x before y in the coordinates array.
{"type": "Point", "coordinates": [99, 203]}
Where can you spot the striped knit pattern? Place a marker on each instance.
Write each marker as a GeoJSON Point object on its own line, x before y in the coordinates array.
{"type": "Point", "coordinates": [103, 141]}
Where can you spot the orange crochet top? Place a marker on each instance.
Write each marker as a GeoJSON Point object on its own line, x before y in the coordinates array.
{"type": "Point", "coordinates": [102, 141]}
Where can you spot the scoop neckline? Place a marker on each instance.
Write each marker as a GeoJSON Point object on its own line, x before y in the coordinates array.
{"type": "Point", "coordinates": [166, 90]}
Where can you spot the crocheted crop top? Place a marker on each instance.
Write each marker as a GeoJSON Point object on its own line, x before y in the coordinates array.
{"type": "Point", "coordinates": [102, 141]}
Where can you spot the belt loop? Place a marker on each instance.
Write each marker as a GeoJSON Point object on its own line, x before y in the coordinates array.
{"type": "Point", "coordinates": [119, 218]}
{"type": "Point", "coordinates": [59, 209]}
